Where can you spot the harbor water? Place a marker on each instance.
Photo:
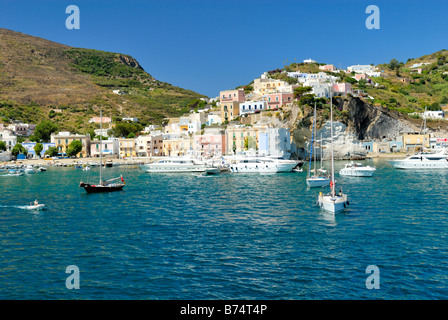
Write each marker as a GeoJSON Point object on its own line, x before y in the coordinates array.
{"type": "Point", "coordinates": [231, 236]}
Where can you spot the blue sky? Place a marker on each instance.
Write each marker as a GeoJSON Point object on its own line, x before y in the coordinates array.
{"type": "Point", "coordinates": [213, 45]}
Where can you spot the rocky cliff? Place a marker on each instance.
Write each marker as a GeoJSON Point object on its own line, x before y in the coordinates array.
{"type": "Point", "coordinates": [356, 120]}
{"type": "Point", "coordinates": [372, 122]}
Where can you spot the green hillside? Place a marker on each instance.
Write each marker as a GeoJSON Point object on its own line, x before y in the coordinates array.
{"type": "Point", "coordinates": [41, 80]}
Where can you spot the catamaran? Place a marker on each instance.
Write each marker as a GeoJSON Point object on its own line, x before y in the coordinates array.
{"type": "Point", "coordinates": [332, 202]}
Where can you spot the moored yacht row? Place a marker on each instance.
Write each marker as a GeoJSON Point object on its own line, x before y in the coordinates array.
{"type": "Point", "coordinates": [234, 164]}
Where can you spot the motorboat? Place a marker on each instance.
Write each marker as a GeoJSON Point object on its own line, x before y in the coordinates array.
{"type": "Point", "coordinates": [29, 169]}
{"type": "Point", "coordinates": [31, 206]}
{"type": "Point", "coordinates": [178, 164]}
{"type": "Point", "coordinates": [425, 161]}
{"type": "Point", "coordinates": [268, 165]}
{"type": "Point", "coordinates": [356, 169]}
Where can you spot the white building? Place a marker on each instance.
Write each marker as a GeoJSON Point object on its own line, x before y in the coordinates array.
{"type": "Point", "coordinates": [320, 89]}
{"type": "Point", "coordinates": [432, 115]}
{"type": "Point", "coordinates": [214, 118]}
{"type": "Point", "coordinates": [194, 126]}
{"type": "Point", "coordinates": [101, 132]}
{"type": "Point", "coordinates": [252, 107]}
{"type": "Point", "coordinates": [367, 69]}
{"type": "Point", "coordinates": [275, 142]}
{"type": "Point", "coordinates": [9, 138]}
{"type": "Point", "coordinates": [309, 61]}
{"type": "Point", "coordinates": [304, 77]}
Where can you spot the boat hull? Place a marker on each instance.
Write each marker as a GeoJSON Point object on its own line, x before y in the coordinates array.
{"type": "Point", "coordinates": [317, 182]}
{"type": "Point", "coordinates": [101, 189]}
{"type": "Point", "coordinates": [36, 207]}
{"type": "Point", "coordinates": [333, 204]}
{"type": "Point", "coordinates": [356, 173]}
{"type": "Point", "coordinates": [420, 165]}
{"type": "Point", "coordinates": [172, 168]}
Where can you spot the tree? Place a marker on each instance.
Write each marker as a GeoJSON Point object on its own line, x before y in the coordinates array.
{"type": "Point", "coordinates": [52, 151]}
{"type": "Point", "coordinates": [299, 92]}
{"type": "Point", "coordinates": [74, 148]}
{"type": "Point", "coordinates": [18, 148]}
{"type": "Point", "coordinates": [2, 146]}
{"type": "Point", "coordinates": [44, 130]}
{"type": "Point", "coordinates": [38, 148]}
{"type": "Point", "coordinates": [394, 64]}
{"type": "Point", "coordinates": [123, 129]}
{"type": "Point", "coordinates": [307, 99]}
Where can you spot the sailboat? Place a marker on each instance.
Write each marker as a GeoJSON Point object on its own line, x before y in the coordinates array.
{"type": "Point", "coordinates": [103, 185]}
{"type": "Point", "coordinates": [332, 202]}
{"type": "Point", "coordinates": [318, 179]}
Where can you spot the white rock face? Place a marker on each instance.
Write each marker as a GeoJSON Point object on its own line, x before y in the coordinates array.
{"type": "Point", "coordinates": [345, 143]}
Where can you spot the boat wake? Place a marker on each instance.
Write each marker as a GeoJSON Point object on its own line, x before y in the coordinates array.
{"type": "Point", "coordinates": [25, 207]}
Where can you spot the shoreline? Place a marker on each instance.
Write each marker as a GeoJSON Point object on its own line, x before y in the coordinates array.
{"type": "Point", "coordinates": [141, 160]}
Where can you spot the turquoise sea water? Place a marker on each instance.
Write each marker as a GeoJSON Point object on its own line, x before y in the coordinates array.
{"type": "Point", "coordinates": [176, 236]}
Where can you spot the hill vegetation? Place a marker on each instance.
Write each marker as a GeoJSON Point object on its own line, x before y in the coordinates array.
{"type": "Point", "coordinates": [43, 80]}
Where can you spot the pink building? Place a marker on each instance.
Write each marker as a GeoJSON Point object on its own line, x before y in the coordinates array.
{"type": "Point", "coordinates": [232, 95]}
{"type": "Point", "coordinates": [98, 120]}
{"type": "Point", "coordinates": [210, 144]}
{"type": "Point", "coordinates": [328, 67]}
{"type": "Point", "coordinates": [342, 88]}
{"type": "Point", "coordinates": [360, 76]}
{"type": "Point", "coordinates": [279, 99]}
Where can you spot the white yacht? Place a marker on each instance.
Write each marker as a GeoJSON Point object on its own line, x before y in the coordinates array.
{"type": "Point", "coordinates": [422, 161]}
{"type": "Point", "coordinates": [356, 169]}
{"type": "Point", "coordinates": [179, 164]}
{"type": "Point", "coordinates": [262, 165]}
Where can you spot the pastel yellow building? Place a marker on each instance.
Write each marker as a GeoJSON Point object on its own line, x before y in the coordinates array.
{"type": "Point", "coordinates": [264, 86]}
{"type": "Point", "coordinates": [414, 142]}
{"type": "Point", "coordinates": [127, 147]}
{"type": "Point", "coordinates": [62, 141]}
{"type": "Point", "coordinates": [242, 138]}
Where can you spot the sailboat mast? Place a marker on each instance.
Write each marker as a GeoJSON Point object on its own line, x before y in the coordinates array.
{"type": "Point", "coordinates": [321, 152]}
{"type": "Point", "coordinates": [314, 146]}
{"type": "Point", "coordinates": [101, 144]}
{"type": "Point", "coordinates": [331, 139]}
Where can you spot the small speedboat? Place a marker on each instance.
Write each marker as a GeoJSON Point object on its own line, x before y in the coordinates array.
{"type": "Point", "coordinates": [39, 206]}
{"type": "Point", "coordinates": [357, 170]}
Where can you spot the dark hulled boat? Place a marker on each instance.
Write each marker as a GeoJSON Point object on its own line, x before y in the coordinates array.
{"type": "Point", "coordinates": [105, 186]}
